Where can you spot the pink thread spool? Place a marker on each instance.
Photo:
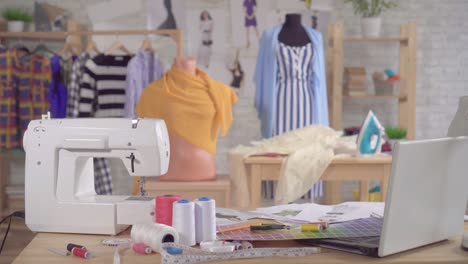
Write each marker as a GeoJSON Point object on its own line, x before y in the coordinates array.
{"type": "Point", "coordinates": [164, 208]}
{"type": "Point", "coordinates": [82, 253]}
{"type": "Point", "coordinates": [141, 248]}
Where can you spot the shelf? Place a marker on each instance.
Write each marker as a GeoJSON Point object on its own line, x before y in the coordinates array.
{"type": "Point", "coordinates": [376, 39]}
{"type": "Point", "coordinates": [371, 96]}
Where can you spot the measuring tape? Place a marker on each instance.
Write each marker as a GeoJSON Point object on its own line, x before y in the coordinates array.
{"type": "Point", "coordinates": [193, 255]}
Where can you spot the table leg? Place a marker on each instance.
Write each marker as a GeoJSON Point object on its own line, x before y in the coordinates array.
{"type": "Point", "coordinates": [255, 186]}
{"type": "Point", "coordinates": [332, 192]}
{"type": "Point", "coordinates": [364, 191]}
{"type": "Point", "coordinates": [385, 177]}
{"type": "Point", "coordinates": [4, 174]}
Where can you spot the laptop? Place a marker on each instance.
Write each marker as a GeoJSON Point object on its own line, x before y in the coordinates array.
{"type": "Point", "coordinates": [426, 199]}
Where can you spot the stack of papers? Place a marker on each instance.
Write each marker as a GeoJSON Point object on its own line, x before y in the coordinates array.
{"type": "Point", "coordinates": [304, 213]}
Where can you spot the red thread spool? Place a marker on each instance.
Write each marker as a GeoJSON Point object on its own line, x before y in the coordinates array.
{"type": "Point", "coordinates": [164, 208]}
{"type": "Point", "coordinates": [70, 246]}
{"type": "Point", "coordinates": [141, 248]}
{"type": "Point", "coordinates": [82, 253]}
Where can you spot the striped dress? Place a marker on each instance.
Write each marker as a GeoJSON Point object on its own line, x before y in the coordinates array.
{"type": "Point", "coordinates": [295, 93]}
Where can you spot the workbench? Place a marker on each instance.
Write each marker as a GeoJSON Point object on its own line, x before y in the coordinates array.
{"type": "Point", "coordinates": [36, 252]}
{"type": "Point", "coordinates": [347, 168]}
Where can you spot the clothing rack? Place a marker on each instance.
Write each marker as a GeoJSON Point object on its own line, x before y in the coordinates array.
{"type": "Point", "coordinates": [74, 32]}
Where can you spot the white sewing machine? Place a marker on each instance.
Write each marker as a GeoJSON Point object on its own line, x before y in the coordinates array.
{"type": "Point", "coordinates": [59, 184]}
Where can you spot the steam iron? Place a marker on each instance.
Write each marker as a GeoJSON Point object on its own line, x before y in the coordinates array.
{"type": "Point", "coordinates": [369, 141]}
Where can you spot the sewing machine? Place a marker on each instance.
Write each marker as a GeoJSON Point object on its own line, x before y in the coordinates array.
{"type": "Point", "coordinates": [59, 182]}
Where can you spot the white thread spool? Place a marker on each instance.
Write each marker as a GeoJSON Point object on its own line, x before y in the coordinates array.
{"type": "Point", "coordinates": [153, 235]}
{"type": "Point", "coordinates": [183, 220]}
{"type": "Point", "coordinates": [205, 219]}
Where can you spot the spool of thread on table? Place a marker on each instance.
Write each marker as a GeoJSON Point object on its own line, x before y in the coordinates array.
{"type": "Point", "coordinates": [183, 216]}
{"type": "Point", "coordinates": [82, 253]}
{"type": "Point", "coordinates": [163, 208]}
{"type": "Point", "coordinates": [205, 219]}
{"type": "Point", "coordinates": [153, 235]}
{"type": "Point", "coordinates": [70, 246]}
{"type": "Point", "coordinates": [141, 248]}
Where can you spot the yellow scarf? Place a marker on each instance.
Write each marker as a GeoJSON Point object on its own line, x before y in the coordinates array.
{"type": "Point", "coordinates": [194, 107]}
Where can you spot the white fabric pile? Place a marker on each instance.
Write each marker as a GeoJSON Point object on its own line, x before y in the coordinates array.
{"type": "Point", "coordinates": [310, 150]}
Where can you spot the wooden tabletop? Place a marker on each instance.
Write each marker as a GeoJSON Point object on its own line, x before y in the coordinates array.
{"type": "Point", "coordinates": [36, 252]}
{"type": "Point", "coordinates": [379, 159]}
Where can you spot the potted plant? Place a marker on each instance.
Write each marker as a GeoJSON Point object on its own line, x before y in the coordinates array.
{"type": "Point", "coordinates": [395, 134]}
{"type": "Point", "coordinates": [370, 11]}
{"type": "Point", "coordinates": [16, 18]}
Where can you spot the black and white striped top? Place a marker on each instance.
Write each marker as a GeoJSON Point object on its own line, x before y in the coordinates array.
{"type": "Point", "coordinates": [102, 89]}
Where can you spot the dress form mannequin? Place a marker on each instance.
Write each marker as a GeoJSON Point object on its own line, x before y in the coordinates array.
{"type": "Point", "coordinates": [188, 162]}
{"type": "Point", "coordinates": [293, 33]}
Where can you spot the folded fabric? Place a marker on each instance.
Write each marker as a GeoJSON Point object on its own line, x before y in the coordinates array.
{"type": "Point", "coordinates": [194, 107]}
{"type": "Point", "coordinates": [310, 151]}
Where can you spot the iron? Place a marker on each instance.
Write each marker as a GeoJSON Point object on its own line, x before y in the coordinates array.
{"type": "Point", "coordinates": [369, 141]}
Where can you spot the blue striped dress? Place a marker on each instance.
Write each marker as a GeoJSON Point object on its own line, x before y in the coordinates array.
{"type": "Point", "coordinates": [295, 93]}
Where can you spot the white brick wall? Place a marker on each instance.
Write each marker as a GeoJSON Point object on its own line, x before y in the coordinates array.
{"type": "Point", "coordinates": [442, 62]}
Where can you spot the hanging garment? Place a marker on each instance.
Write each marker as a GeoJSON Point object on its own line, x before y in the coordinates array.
{"type": "Point", "coordinates": [204, 51]}
{"type": "Point", "coordinates": [25, 83]}
{"type": "Point", "coordinates": [295, 91]}
{"type": "Point", "coordinates": [194, 107]}
{"type": "Point", "coordinates": [73, 99]}
{"type": "Point", "coordinates": [267, 88]}
{"type": "Point", "coordinates": [142, 69]}
{"type": "Point", "coordinates": [102, 89]}
{"type": "Point", "coordinates": [57, 91]}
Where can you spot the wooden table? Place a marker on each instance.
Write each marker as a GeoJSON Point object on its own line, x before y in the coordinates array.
{"type": "Point", "coordinates": [362, 169]}
{"type": "Point", "coordinates": [36, 252]}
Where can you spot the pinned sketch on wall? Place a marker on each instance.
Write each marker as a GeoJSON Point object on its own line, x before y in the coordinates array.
{"type": "Point", "coordinates": [206, 31]}
{"type": "Point", "coordinates": [166, 14]}
{"type": "Point", "coordinates": [248, 20]}
{"type": "Point", "coordinates": [237, 81]}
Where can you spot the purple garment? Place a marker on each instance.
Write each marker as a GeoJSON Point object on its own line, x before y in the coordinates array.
{"type": "Point", "coordinates": [142, 70]}
{"type": "Point", "coordinates": [57, 91]}
{"type": "Point", "coordinates": [249, 6]}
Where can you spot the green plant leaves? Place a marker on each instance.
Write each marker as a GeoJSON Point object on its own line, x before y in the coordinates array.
{"type": "Point", "coordinates": [16, 14]}
{"type": "Point", "coordinates": [370, 8]}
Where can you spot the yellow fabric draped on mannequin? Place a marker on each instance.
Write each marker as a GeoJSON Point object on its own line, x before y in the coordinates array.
{"type": "Point", "coordinates": [194, 107]}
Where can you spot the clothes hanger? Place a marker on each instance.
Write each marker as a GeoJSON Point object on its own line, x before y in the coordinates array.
{"type": "Point", "coordinates": [117, 45]}
{"type": "Point", "coordinates": [92, 47]}
{"type": "Point", "coordinates": [42, 49]}
{"type": "Point", "coordinates": [67, 48]}
{"type": "Point", "coordinates": [146, 45]}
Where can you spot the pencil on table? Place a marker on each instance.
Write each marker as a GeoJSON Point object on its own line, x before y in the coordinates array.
{"type": "Point", "coordinates": [233, 228]}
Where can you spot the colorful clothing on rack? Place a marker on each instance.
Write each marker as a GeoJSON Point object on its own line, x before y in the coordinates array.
{"type": "Point", "coordinates": [57, 91]}
{"type": "Point", "coordinates": [142, 69]}
{"type": "Point", "coordinates": [102, 92]}
{"type": "Point", "coordinates": [25, 83]}
{"type": "Point", "coordinates": [76, 74]}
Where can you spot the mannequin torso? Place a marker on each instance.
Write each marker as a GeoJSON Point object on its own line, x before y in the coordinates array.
{"type": "Point", "coordinates": [188, 162]}
{"type": "Point", "coordinates": [293, 33]}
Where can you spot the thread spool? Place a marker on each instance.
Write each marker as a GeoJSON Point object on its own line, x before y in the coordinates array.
{"type": "Point", "coordinates": [70, 246]}
{"type": "Point", "coordinates": [164, 207]}
{"type": "Point", "coordinates": [153, 235]}
{"type": "Point", "coordinates": [141, 248]}
{"type": "Point", "coordinates": [82, 253]}
{"type": "Point", "coordinates": [183, 216]}
{"type": "Point", "coordinates": [205, 219]}
{"type": "Point", "coordinates": [246, 245]}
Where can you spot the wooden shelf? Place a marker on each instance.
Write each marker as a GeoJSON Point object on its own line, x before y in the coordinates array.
{"type": "Point", "coordinates": [377, 39]}
{"type": "Point", "coordinates": [372, 96]}
{"type": "Point", "coordinates": [35, 35]}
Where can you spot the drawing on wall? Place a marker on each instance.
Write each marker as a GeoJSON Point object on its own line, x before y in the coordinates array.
{"type": "Point", "coordinates": [248, 19]}
{"type": "Point", "coordinates": [250, 7]}
{"type": "Point", "coordinates": [166, 14]}
{"type": "Point", "coordinates": [206, 30]}
{"type": "Point", "coordinates": [237, 81]}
